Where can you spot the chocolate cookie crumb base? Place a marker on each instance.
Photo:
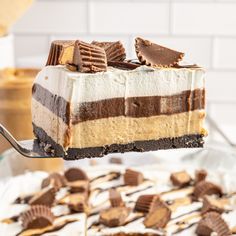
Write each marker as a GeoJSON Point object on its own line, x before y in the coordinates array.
{"type": "Point", "coordinates": [186, 141]}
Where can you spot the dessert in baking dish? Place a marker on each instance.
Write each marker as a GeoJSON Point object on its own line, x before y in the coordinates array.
{"type": "Point", "coordinates": [111, 200]}
{"type": "Point", "coordinates": [89, 101]}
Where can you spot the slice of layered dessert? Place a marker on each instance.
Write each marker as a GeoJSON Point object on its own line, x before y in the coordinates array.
{"type": "Point", "coordinates": [89, 101]}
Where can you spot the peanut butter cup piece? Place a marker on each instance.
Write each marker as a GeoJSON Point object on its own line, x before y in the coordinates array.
{"type": "Point", "coordinates": [133, 178]}
{"type": "Point", "coordinates": [115, 51]}
{"type": "Point", "coordinates": [78, 203]}
{"type": "Point", "coordinates": [212, 222]}
{"type": "Point", "coordinates": [74, 174]}
{"type": "Point", "coordinates": [101, 44]}
{"type": "Point", "coordinates": [56, 49]}
{"type": "Point", "coordinates": [200, 175]}
{"type": "Point", "coordinates": [152, 54]}
{"type": "Point", "coordinates": [114, 217]}
{"type": "Point", "coordinates": [115, 198]}
{"type": "Point", "coordinates": [55, 180]}
{"type": "Point", "coordinates": [45, 197]}
{"type": "Point", "coordinates": [37, 217]}
{"type": "Point", "coordinates": [115, 160]}
{"type": "Point", "coordinates": [212, 204]}
{"type": "Point", "coordinates": [67, 54]}
{"type": "Point", "coordinates": [89, 58]}
{"type": "Point", "coordinates": [147, 203]}
{"type": "Point", "coordinates": [180, 179]}
{"type": "Point", "coordinates": [159, 217]}
{"type": "Point", "coordinates": [79, 186]}
{"type": "Point", "coordinates": [123, 65]}
{"type": "Point", "coordinates": [206, 188]}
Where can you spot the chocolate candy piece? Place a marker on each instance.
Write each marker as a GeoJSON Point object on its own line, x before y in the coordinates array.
{"type": "Point", "coordinates": [133, 178]}
{"type": "Point", "coordinates": [115, 198]}
{"type": "Point", "coordinates": [67, 54]}
{"type": "Point", "coordinates": [152, 54]}
{"type": "Point", "coordinates": [115, 160]}
{"type": "Point", "coordinates": [55, 180]}
{"type": "Point", "coordinates": [79, 186]}
{"type": "Point", "coordinates": [76, 202]}
{"type": "Point", "coordinates": [159, 217]}
{"type": "Point", "coordinates": [101, 44]}
{"type": "Point", "coordinates": [123, 65]}
{"type": "Point", "coordinates": [180, 179]}
{"type": "Point", "coordinates": [74, 174]}
{"type": "Point", "coordinates": [114, 217]}
{"type": "Point", "coordinates": [200, 175]}
{"type": "Point", "coordinates": [212, 222]}
{"type": "Point", "coordinates": [206, 188]}
{"type": "Point", "coordinates": [147, 203]}
{"type": "Point", "coordinates": [89, 58]}
{"type": "Point", "coordinates": [37, 217]}
{"type": "Point", "coordinates": [45, 197]}
{"type": "Point", "coordinates": [55, 51]}
{"type": "Point", "coordinates": [115, 51]}
{"type": "Point", "coordinates": [212, 204]}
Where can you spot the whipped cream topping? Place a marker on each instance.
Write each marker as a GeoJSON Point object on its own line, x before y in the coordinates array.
{"type": "Point", "coordinates": [78, 87]}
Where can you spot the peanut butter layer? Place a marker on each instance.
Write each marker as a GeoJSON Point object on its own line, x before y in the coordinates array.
{"type": "Point", "coordinates": [119, 130]}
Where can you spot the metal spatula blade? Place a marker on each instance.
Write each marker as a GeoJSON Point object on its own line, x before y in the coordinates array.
{"type": "Point", "coordinates": [28, 148]}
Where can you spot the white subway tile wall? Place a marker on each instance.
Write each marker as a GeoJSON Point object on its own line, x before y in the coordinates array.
{"type": "Point", "coordinates": [204, 29]}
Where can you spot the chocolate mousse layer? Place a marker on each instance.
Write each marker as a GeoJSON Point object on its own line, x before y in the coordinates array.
{"type": "Point", "coordinates": [129, 107]}
{"type": "Point", "coordinates": [185, 141]}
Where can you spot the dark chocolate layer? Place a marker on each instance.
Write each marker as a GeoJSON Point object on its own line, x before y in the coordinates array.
{"type": "Point", "coordinates": [56, 104]}
{"type": "Point", "coordinates": [186, 141]}
{"type": "Point", "coordinates": [129, 107]}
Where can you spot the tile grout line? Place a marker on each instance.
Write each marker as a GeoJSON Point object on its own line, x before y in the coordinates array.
{"type": "Point", "coordinates": [213, 53]}
{"type": "Point", "coordinates": [170, 18]}
{"type": "Point", "coordinates": [88, 15]}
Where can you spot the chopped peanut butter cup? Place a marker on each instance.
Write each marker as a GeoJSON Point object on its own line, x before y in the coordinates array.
{"type": "Point", "coordinates": [206, 188]}
{"type": "Point", "coordinates": [180, 179]}
{"type": "Point", "coordinates": [114, 217]}
{"type": "Point", "coordinates": [78, 186]}
{"type": "Point", "coordinates": [212, 223]}
{"type": "Point", "coordinates": [152, 54]}
{"type": "Point", "coordinates": [133, 178]}
{"type": "Point", "coordinates": [123, 65]}
{"type": "Point", "coordinates": [115, 160]}
{"type": "Point", "coordinates": [55, 51]}
{"type": "Point", "coordinates": [55, 180]}
{"type": "Point", "coordinates": [115, 51]}
{"type": "Point", "coordinates": [101, 44]}
{"type": "Point", "coordinates": [37, 217]}
{"type": "Point", "coordinates": [115, 198]}
{"type": "Point", "coordinates": [212, 204]}
{"type": "Point", "coordinates": [200, 175]}
{"type": "Point", "coordinates": [159, 217]}
{"type": "Point", "coordinates": [89, 58]}
{"type": "Point", "coordinates": [147, 203]}
{"type": "Point", "coordinates": [74, 174]}
{"type": "Point", "coordinates": [76, 202]}
{"type": "Point", "coordinates": [45, 197]}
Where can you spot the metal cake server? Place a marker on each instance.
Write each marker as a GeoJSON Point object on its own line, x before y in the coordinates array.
{"type": "Point", "coordinates": [28, 148]}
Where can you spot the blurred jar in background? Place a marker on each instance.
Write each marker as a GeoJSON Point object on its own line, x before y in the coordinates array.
{"type": "Point", "coordinates": [15, 112]}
